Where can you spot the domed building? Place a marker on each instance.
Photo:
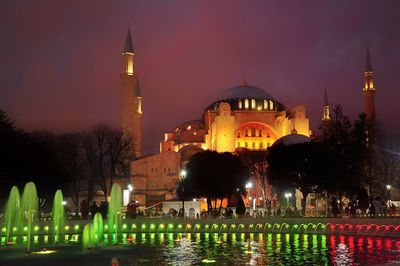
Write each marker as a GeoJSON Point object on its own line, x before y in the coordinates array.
{"type": "Point", "coordinates": [243, 116]}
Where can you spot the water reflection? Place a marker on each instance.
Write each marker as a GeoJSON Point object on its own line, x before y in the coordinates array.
{"type": "Point", "coordinates": [231, 248]}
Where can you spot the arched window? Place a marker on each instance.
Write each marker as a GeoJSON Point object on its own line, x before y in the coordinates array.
{"type": "Point", "coordinates": [238, 134]}
{"type": "Point", "coordinates": [240, 104]}
{"type": "Point", "coordinates": [238, 144]}
{"type": "Point", "coordinates": [254, 145]}
{"type": "Point", "coordinates": [271, 105]}
{"type": "Point", "coordinates": [253, 104]}
{"type": "Point", "coordinates": [265, 105]}
{"type": "Point", "coordinates": [246, 104]}
{"type": "Point", "coordinates": [245, 145]}
{"type": "Point", "coordinates": [260, 145]}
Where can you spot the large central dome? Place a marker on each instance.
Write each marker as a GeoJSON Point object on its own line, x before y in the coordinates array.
{"type": "Point", "coordinates": [248, 98]}
{"type": "Point", "coordinates": [244, 91]}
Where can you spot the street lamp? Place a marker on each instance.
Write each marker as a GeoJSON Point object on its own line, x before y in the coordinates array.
{"type": "Point", "coordinates": [287, 196]}
{"type": "Point", "coordinates": [249, 185]}
{"type": "Point", "coordinates": [183, 176]}
{"type": "Point", "coordinates": [388, 188]}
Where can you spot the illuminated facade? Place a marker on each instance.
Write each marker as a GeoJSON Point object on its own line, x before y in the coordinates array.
{"type": "Point", "coordinates": [242, 117]}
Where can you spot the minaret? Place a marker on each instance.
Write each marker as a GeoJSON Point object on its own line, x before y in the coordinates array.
{"type": "Point", "coordinates": [131, 100]}
{"type": "Point", "coordinates": [325, 111]}
{"type": "Point", "coordinates": [369, 90]}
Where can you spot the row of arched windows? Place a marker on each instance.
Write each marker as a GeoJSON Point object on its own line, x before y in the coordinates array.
{"type": "Point", "coordinates": [253, 132]}
{"type": "Point", "coordinates": [253, 105]}
{"type": "Point", "coordinates": [252, 145]}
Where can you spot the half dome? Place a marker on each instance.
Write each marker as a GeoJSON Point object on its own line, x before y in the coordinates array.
{"type": "Point", "coordinates": [291, 139]}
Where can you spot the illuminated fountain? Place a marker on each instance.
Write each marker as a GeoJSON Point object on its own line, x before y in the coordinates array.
{"type": "Point", "coordinates": [88, 237]}
{"type": "Point", "coordinates": [98, 228]}
{"type": "Point", "coordinates": [21, 225]}
{"type": "Point", "coordinates": [29, 208]}
{"type": "Point", "coordinates": [13, 212]}
{"type": "Point", "coordinates": [58, 215]}
{"type": "Point", "coordinates": [114, 211]}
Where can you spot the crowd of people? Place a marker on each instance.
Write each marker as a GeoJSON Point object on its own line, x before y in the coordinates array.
{"type": "Point", "coordinates": [377, 207]}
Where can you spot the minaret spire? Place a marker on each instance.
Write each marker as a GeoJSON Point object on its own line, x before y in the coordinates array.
{"type": "Point", "coordinates": [368, 65]}
{"type": "Point", "coordinates": [131, 100]}
{"type": "Point", "coordinates": [369, 90]}
{"type": "Point", "coordinates": [128, 48]}
{"type": "Point", "coordinates": [326, 109]}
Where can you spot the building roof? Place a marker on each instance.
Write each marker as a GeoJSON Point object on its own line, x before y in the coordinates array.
{"type": "Point", "coordinates": [291, 139]}
{"type": "Point", "coordinates": [198, 122]}
{"type": "Point", "coordinates": [244, 91]}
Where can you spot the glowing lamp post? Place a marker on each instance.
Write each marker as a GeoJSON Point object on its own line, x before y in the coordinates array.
{"type": "Point", "coordinates": [183, 176]}
{"type": "Point", "coordinates": [248, 186]}
{"type": "Point", "coordinates": [126, 197]}
{"type": "Point", "coordinates": [388, 188]}
{"type": "Point", "coordinates": [287, 196]}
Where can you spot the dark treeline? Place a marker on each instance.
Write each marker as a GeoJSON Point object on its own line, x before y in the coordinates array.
{"type": "Point", "coordinates": [79, 163]}
{"type": "Point", "coordinates": [351, 159]}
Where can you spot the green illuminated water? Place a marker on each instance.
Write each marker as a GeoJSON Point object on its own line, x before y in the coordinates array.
{"type": "Point", "coordinates": [58, 214]}
{"type": "Point", "coordinates": [220, 249]}
{"type": "Point", "coordinates": [98, 228]}
{"type": "Point", "coordinates": [88, 237]}
{"type": "Point", "coordinates": [29, 202]}
{"type": "Point", "coordinates": [13, 211]}
{"type": "Point", "coordinates": [114, 209]}
{"type": "Point", "coordinates": [29, 210]}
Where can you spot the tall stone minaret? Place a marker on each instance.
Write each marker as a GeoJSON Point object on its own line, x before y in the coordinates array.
{"type": "Point", "coordinates": [326, 109]}
{"type": "Point", "coordinates": [369, 90]}
{"type": "Point", "coordinates": [131, 100]}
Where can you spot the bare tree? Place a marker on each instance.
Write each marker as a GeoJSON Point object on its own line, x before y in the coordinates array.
{"type": "Point", "coordinates": [257, 162]}
{"type": "Point", "coordinates": [389, 160]}
{"type": "Point", "coordinates": [121, 151]}
{"type": "Point", "coordinates": [108, 152]}
{"type": "Point", "coordinates": [72, 155]}
{"type": "Point", "coordinates": [96, 150]}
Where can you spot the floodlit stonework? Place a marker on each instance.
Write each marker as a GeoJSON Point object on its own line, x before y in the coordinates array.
{"type": "Point", "coordinates": [241, 117]}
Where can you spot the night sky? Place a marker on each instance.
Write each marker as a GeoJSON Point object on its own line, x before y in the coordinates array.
{"type": "Point", "coordinates": [60, 60]}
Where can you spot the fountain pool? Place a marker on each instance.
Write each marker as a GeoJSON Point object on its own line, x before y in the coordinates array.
{"type": "Point", "coordinates": [221, 249]}
{"type": "Point", "coordinates": [27, 240]}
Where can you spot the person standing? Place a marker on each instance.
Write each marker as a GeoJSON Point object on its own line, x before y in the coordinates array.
{"type": "Point", "coordinates": [334, 207]}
